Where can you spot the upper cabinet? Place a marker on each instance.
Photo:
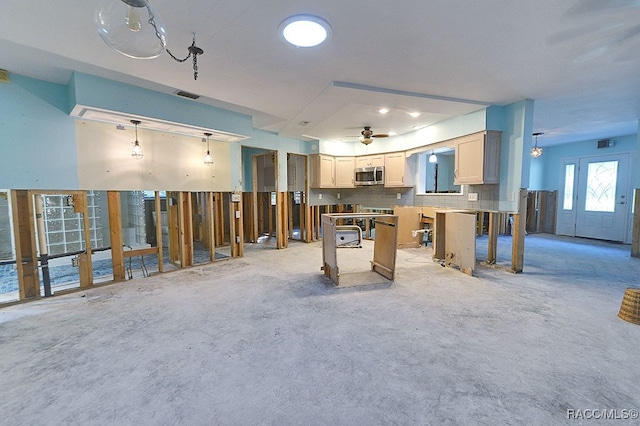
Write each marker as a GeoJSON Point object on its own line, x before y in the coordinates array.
{"type": "Point", "coordinates": [477, 158]}
{"type": "Point", "coordinates": [323, 171]}
{"type": "Point", "coordinates": [345, 174]}
{"type": "Point", "coordinates": [394, 170]}
{"type": "Point", "coordinates": [370, 161]}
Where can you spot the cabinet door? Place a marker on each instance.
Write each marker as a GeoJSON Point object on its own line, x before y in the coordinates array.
{"type": "Point", "coordinates": [394, 165]}
{"type": "Point", "coordinates": [322, 171]}
{"type": "Point", "coordinates": [327, 172]}
{"type": "Point", "coordinates": [370, 161]}
{"type": "Point", "coordinates": [345, 172]}
{"type": "Point", "coordinates": [470, 160]}
{"type": "Point", "coordinates": [478, 159]}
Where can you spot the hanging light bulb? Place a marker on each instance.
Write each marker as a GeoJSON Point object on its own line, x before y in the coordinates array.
{"type": "Point", "coordinates": [136, 152]}
{"type": "Point", "coordinates": [208, 159]}
{"type": "Point", "coordinates": [433, 158]}
{"type": "Point", "coordinates": [133, 19]}
{"type": "Point", "coordinates": [132, 27]}
{"type": "Point", "coordinates": [536, 151]}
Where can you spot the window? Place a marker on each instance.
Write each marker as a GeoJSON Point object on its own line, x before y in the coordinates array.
{"type": "Point", "coordinates": [601, 186]}
{"type": "Point", "coordinates": [569, 176]}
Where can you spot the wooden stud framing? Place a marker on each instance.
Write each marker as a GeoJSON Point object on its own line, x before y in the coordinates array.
{"type": "Point", "coordinates": [290, 210]}
{"type": "Point", "coordinates": [281, 220]}
{"type": "Point", "coordinates": [493, 238]}
{"type": "Point", "coordinates": [517, 244]}
{"type": "Point", "coordinates": [85, 264]}
{"type": "Point", "coordinates": [219, 218]}
{"type": "Point", "coordinates": [237, 231]}
{"type": "Point", "coordinates": [115, 232]}
{"type": "Point", "coordinates": [25, 244]}
{"type": "Point", "coordinates": [185, 234]}
{"type": "Point", "coordinates": [635, 234]}
{"type": "Point", "coordinates": [158, 207]}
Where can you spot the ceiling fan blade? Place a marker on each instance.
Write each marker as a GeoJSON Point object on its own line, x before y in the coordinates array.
{"type": "Point", "coordinates": [380, 135]}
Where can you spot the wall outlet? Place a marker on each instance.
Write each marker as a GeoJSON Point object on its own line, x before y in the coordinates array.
{"type": "Point", "coordinates": [319, 196]}
{"type": "Point", "coordinates": [338, 195]}
{"type": "Point", "coordinates": [237, 215]}
{"type": "Point", "coordinates": [511, 196]}
{"type": "Point", "coordinates": [398, 195]}
{"type": "Point", "coordinates": [472, 196]}
{"type": "Point", "coordinates": [238, 239]}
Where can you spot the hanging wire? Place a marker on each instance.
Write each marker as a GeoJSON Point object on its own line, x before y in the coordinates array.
{"type": "Point", "coordinates": [193, 49]}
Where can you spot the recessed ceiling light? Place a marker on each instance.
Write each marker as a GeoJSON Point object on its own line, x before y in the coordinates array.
{"type": "Point", "coordinates": [305, 30]}
{"type": "Point", "coordinates": [414, 114]}
{"type": "Point", "coordinates": [383, 110]}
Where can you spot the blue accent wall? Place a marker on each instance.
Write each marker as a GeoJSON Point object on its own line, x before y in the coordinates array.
{"type": "Point", "coordinates": [37, 137]}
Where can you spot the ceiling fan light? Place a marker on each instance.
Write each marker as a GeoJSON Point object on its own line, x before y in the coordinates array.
{"type": "Point", "coordinates": [125, 26]}
{"type": "Point", "coordinates": [305, 30]}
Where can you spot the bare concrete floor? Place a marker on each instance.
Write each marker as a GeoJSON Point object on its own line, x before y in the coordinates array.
{"type": "Point", "coordinates": [267, 339]}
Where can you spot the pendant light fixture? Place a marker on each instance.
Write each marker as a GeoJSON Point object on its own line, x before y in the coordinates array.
{"type": "Point", "coordinates": [208, 159]}
{"type": "Point", "coordinates": [136, 152]}
{"type": "Point", "coordinates": [536, 151]}
{"type": "Point", "coordinates": [433, 158]}
{"type": "Point", "coordinates": [133, 28]}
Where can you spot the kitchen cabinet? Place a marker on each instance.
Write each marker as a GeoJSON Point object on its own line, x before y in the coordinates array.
{"type": "Point", "coordinates": [323, 171]}
{"type": "Point", "coordinates": [345, 173]}
{"type": "Point", "coordinates": [370, 161]}
{"type": "Point", "coordinates": [477, 158]}
{"type": "Point", "coordinates": [394, 170]}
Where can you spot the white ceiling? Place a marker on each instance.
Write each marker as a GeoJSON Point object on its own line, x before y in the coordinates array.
{"type": "Point", "coordinates": [578, 60]}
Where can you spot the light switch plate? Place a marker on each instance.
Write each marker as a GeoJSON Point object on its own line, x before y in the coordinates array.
{"type": "Point", "coordinates": [399, 195]}
{"type": "Point", "coordinates": [472, 196]}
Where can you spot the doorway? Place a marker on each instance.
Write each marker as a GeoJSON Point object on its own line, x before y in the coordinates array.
{"type": "Point", "coordinates": [595, 198]}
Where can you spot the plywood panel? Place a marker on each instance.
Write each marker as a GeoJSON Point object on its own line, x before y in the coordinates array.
{"type": "Point", "coordinates": [384, 250]}
{"type": "Point", "coordinates": [409, 220]}
{"type": "Point", "coordinates": [329, 255]}
{"type": "Point", "coordinates": [460, 241]}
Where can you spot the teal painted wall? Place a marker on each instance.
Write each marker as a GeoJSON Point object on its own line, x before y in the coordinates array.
{"type": "Point", "coordinates": [37, 137]}
{"type": "Point", "coordinates": [546, 173]}
{"type": "Point", "coordinates": [517, 126]}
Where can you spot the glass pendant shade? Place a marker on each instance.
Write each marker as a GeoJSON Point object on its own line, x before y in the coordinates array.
{"type": "Point", "coordinates": [136, 152]}
{"type": "Point", "coordinates": [131, 27]}
{"type": "Point", "coordinates": [208, 159]}
{"type": "Point", "coordinates": [536, 152]}
{"type": "Point", "coordinates": [433, 158]}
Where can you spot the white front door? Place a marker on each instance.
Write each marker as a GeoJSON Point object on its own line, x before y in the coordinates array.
{"type": "Point", "coordinates": [602, 203]}
{"type": "Point", "coordinates": [594, 198]}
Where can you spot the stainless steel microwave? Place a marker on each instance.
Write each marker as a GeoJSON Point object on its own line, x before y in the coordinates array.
{"type": "Point", "coordinates": [369, 176]}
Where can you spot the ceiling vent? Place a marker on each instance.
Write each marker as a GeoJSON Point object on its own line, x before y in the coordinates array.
{"type": "Point", "coordinates": [605, 143]}
{"type": "Point", "coordinates": [186, 94]}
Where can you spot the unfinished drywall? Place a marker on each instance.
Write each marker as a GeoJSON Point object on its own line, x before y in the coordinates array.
{"type": "Point", "coordinates": [170, 162]}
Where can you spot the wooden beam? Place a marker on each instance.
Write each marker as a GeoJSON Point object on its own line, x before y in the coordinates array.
{"type": "Point", "coordinates": [281, 220]}
{"type": "Point", "coordinates": [25, 244]}
{"type": "Point", "coordinates": [236, 232]}
{"type": "Point", "coordinates": [492, 250]}
{"type": "Point", "coordinates": [211, 227]}
{"type": "Point", "coordinates": [517, 243]}
{"type": "Point", "coordinates": [635, 235]}
{"type": "Point", "coordinates": [290, 210]}
{"type": "Point", "coordinates": [158, 207]}
{"type": "Point", "coordinates": [185, 230]}
{"type": "Point", "coordinates": [219, 218]}
{"type": "Point", "coordinates": [86, 270]}
{"type": "Point", "coordinates": [115, 233]}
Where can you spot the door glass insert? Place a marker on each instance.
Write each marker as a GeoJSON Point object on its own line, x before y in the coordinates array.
{"type": "Point", "coordinates": [569, 173]}
{"type": "Point", "coordinates": [601, 186]}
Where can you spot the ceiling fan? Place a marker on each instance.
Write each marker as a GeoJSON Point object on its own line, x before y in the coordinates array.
{"type": "Point", "coordinates": [368, 135]}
